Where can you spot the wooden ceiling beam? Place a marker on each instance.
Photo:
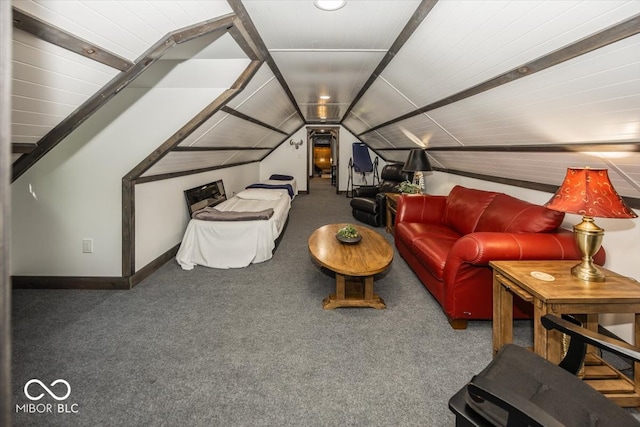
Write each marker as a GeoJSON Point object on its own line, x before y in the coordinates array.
{"type": "Point", "coordinates": [118, 83]}
{"type": "Point", "coordinates": [600, 147]}
{"type": "Point", "coordinates": [171, 175]}
{"type": "Point", "coordinates": [22, 148]}
{"type": "Point", "coordinates": [195, 122]}
{"type": "Point", "coordinates": [250, 119]}
{"type": "Point", "coordinates": [208, 148]}
{"type": "Point", "coordinates": [242, 37]}
{"type": "Point", "coordinates": [250, 29]}
{"type": "Point", "coordinates": [624, 29]}
{"type": "Point", "coordinates": [414, 22]}
{"type": "Point", "coordinates": [54, 35]}
{"type": "Point", "coordinates": [633, 202]}
{"type": "Point", "coordinates": [134, 176]}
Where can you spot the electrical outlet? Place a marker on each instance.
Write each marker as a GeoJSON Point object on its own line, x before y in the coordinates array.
{"type": "Point", "coordinates": [87, 246]}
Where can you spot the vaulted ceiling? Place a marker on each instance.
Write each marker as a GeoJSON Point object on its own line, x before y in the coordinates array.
{"type": "Point", "coordinates": [510, 90]}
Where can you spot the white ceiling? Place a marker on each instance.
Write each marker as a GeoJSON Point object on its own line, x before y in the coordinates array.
{"type": "Point", "coordinates": [592, 98]}
{"type": "Point", "coordinates": [328, 53]}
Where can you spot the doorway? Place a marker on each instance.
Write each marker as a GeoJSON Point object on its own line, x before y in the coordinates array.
{"type": "Point", "coordinates": [324, 146]}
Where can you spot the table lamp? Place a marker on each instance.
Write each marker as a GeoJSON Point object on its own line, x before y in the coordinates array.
{"type": "Point", "coordinates": [589, 192]}
{"type": "Point", "coordinates": [417, 162]}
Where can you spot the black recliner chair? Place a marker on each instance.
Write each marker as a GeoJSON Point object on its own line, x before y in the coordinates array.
{"type": "Point", "coordinates": [369, 203]}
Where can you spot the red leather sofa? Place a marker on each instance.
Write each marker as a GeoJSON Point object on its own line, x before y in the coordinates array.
{"type": "Point", "coordinates": [448, 242]}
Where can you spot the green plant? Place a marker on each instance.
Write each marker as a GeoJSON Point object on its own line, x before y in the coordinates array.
{"type": "Point", "coordinates": [408, 187]}
{"type": "Point", "coordinates": [348, 232]}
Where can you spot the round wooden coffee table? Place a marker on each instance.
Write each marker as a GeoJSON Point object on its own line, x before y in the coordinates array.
{"type": "Point", "coordinates": [354, 265]}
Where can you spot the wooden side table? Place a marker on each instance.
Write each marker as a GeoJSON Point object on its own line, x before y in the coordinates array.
{"type": "Point", "coordinates": [551, 288]}
{"type": "Point", "coordinates": [392, 206]}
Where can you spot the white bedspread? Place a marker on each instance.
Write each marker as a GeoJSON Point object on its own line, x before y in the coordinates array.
{"type": "Point", "coordinates": [234, 244]}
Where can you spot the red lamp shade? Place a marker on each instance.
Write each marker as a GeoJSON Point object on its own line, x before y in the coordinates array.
{"type": "Point", "coordinates": [589, 192]}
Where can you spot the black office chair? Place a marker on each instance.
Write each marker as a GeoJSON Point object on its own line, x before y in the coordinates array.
{"type": "Point", "coordinates": [520, 388]}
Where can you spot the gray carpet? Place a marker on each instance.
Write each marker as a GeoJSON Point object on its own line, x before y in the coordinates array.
{"type": "Point", "coordinates": [246, 347]}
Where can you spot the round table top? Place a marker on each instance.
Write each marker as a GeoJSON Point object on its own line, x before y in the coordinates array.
{"type": "Point", "coordinates": [372, 255]}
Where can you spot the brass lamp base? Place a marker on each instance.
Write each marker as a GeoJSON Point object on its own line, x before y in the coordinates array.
{"type": "Point", "coordinates": [587, 271]}
{"type": "Point", "coordinates": [589, 238]}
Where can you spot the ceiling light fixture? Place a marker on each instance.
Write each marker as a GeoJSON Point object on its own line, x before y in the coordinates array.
{"type": "Point", "coordinates": [329, 5]}
{"type": "Point", "coordinates": [325, 97]}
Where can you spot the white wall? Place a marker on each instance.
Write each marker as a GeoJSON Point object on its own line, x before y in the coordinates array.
{"type": "Point", "coordinates": [161, 205]}
{"type": "Point", "coordinates": [287, 160]}
{"type": "Point", "coordinates": [75, 191]}
{"type": "Point", "coordinates": [621, 240]}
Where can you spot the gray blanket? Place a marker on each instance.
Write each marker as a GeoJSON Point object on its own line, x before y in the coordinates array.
{"type": "Point", "coordinates": [213, 214]}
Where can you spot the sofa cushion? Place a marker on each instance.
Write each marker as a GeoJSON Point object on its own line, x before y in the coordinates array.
{"type": "Point", "coordinates": [430, 243]}
{"type": "Point", "coordinates": [464, 207]}
{"type": "Point", "coordinates": [510, 215]}
{"type": "Point", "coordinates": [432, 252]}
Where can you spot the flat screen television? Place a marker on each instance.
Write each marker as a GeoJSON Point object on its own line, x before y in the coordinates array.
{"type": "Point", "coordinates": [203, 196]}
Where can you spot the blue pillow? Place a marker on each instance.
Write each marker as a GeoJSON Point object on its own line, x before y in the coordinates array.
{"type": "Point", "coordinates": [279, 177]}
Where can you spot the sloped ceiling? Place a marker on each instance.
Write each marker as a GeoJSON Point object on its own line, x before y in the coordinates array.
{"type": "Point", "coordinates": [471, 79]}
{"type": "Point", "coordinates": [228, 138]}
{"type": "Point", "coordinates": [498, 89]}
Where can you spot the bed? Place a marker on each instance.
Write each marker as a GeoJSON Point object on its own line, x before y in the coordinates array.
{"type": "Point", "coordinates": [230, 236]}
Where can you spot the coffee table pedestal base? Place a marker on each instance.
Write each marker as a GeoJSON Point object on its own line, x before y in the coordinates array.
{"type": "Point", "coordinates": [353, 292]}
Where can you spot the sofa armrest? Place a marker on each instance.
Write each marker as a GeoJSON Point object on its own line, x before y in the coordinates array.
{"type": "Point", "coordinates": [366, 191]}
{"type": "Point", "coordinates": [420, 208]}
{"type": "Point", "coordinates": [482, 247]}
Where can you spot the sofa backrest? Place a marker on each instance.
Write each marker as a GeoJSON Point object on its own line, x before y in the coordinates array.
{"type": "Point", "coordinates": [464, 208]}
{"type": "Point", "coordinates": [468, 210]}
{"type": "Point", "coordinates": [511, 215]}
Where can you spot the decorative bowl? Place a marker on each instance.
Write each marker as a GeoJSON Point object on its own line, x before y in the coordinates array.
{"type": "Point", "coordinates": [349, 240]}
